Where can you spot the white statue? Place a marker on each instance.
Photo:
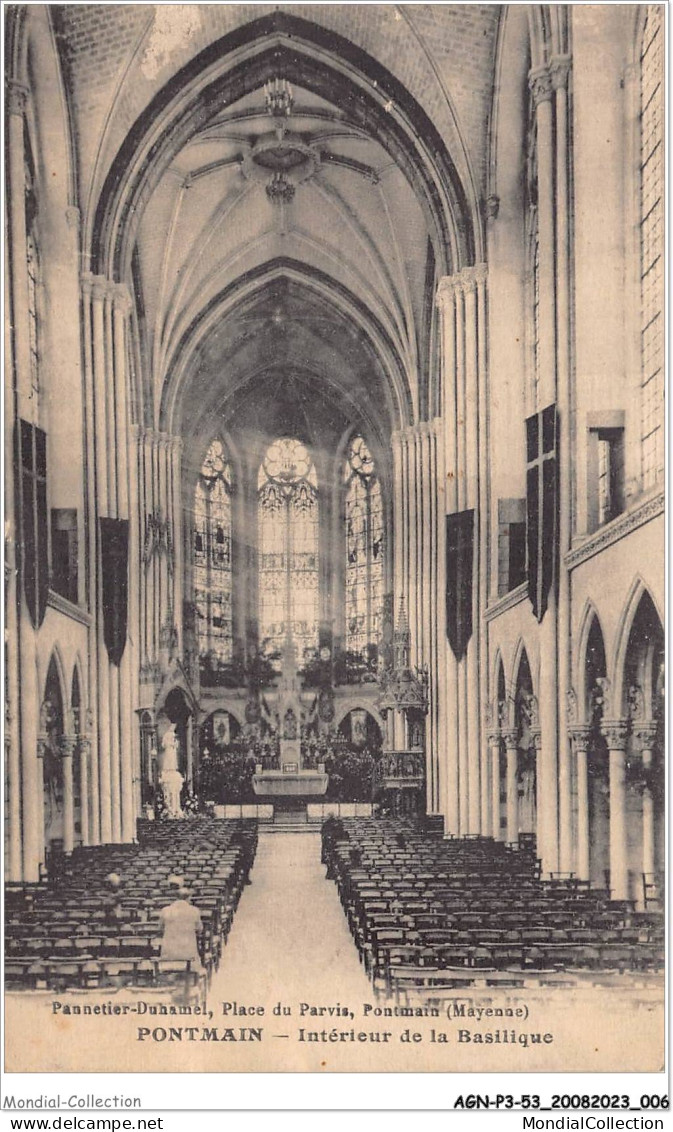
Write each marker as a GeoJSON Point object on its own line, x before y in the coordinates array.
{"type": "Point", "coordinates": [170, 780]}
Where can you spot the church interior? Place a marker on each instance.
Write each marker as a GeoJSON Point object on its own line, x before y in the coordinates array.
{"type": "Point", "coordinates": [334, 483]}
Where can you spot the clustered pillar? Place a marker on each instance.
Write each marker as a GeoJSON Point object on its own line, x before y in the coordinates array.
{"type": "Point", "coordinates": [468, 792]}
{"type": "Point", "coordinates": [418, 571]}
{"type": "Point", "coordinates": [645, 735]}
{"type": "Point", "coordinates": [616, 734]}
{"type": "Point", "coordinates": [24, 768]}
{"type": "Point", "coordinates": [581, 740]}
{"type": "Point", "coordinates": [108, 754]}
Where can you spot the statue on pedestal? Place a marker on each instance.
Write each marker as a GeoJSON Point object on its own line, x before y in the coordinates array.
{"type": "Point", "coordinates": [170, 780]}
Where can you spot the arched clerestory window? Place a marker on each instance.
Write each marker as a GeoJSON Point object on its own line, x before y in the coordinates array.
{"type": "Point", "coordinates": [364, 550]}
{"type": "Point", "coordinates": [288, 547]}
{"type": "Point", "coordinates": [212, 560]}
{"type": "Point", "coordinates": [652, 245]}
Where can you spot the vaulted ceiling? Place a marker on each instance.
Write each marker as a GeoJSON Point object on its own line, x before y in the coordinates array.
{"type": "Point", "coordinates": [290, 254]}
{"type": "Point", "coordinates": [353, 222]}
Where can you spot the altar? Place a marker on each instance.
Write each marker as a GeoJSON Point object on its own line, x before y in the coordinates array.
{"type": "Point", "coordinates": [291, 778]}
{"type": "Point", "coordinates": [286, 783]}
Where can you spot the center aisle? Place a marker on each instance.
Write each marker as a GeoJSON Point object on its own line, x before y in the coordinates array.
{"type": "Point", "coordinates": [290, 939]}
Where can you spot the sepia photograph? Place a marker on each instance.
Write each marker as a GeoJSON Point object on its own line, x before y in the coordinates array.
{"type": "Point", "coordinates": [334, 540]}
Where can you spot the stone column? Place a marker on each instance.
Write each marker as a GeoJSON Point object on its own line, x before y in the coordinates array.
{"type": "Point", "coordinates": [84, 756]}
{"type": "Point", "coordinates": [91, 834]}
{"type": "Point", "coordinates": [482, 545]}
{"type": "Point", "coordinates": [432, 739]}
{"type": "Point", "coordinates": [446, 302]}
{"type": "Point", "coordinates": [493, 740]}
{"type": "Point", "coordinates": [136, 580]}
{"type": "Point", "coordinates": [178, 534]}
{"type": "Point", "coordinates": [439, 618]}
{"type": "Point", "coordinates": [560, 72]}
{"type": "Point", "coordinates": [616, 732]}
{"type": "Point", "coordinates": [547, 768]}
{"type": "Point", "coordinates": [645, 734]}
{"type": "Point", "coordinates": [127, 675]}
{"type": "Point", "coordinates": [398, 520]}
{"type": "Point", "coordinates": [510, 737]}
{"type": "Point", "coordinates": [469, 277]}
{"type": "Point", "coordinates": [462, 713]}
{"type": "Point", "coordinates": [102, 442]}
{"type": "Point", "coordinates": [190, 752]}
{"type": "Point", "coordinates": [40, 832]}
{"type": "Point", "coordinates": [428, 606]}
{"type": "Point", "coordinates": [581, 740]}
{"type": "Point", "coordinates": [19, 743]}
{"type": "Point", "coordinates": [540, 83]}
{"type": "Point", "coordinates": [68, 745]}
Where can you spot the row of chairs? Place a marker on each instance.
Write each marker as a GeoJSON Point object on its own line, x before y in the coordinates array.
{"type": "Point", "coordinates": [74, 933]}
{"type": "Point", "coordinates": [424, 910]}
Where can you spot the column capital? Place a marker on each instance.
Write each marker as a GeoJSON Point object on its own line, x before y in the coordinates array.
{"type": "Point", "coordinates": [493, 737]}
{"type": "Point", "coordinates": [99, 288]}
{"type": "Point", "coordinates": [580, 736]}
{"type": "Point", "coordinates": [616, 733]}
{"type": "Point", "coordinates": [536, 736]}
{"type": "Point", "coordinates": [559, 68]}
{"type": "Point", "coordinates": [446, 292]}
{"type": "Point", "coordinates": [68, 746]}
{"type": "Point", "coordinates": [17, 97]}
{"type": "Point", "coordinates": [510, 736]}
{"type": "Point", "coordinates": [471, 277]}
{"type": "Point", "coordinates": [540, 84]}
{"type": "Point", "coordinates": [645, 734]}
{"type": "Point", "coordinates": [121, 297]}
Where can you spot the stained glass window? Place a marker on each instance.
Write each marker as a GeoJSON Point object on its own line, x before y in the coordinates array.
{"type": "Point", "coordinates": [212, 559]}
{"type": "Point", "coordinates": [288, 547]}
{"type": "Point", "coordinates": [364, 550]}
{"type": "Point", "coordinates": [652, 245]}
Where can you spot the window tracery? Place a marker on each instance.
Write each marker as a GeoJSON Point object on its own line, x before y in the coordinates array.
{"type": "Point", "coordinates": [212, 558]}
{"type": "Point", "coordinates": [364, 550]}
{"type": "Point", "coordinates": [288, 547]}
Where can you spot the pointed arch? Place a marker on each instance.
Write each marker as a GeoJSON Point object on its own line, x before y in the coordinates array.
{"type": "Point", "coordinates": [55, 676]}
{"type": "Point", "coordinates": [639, 589]}
{"type": "Point", "coordinates": [77, 697]}
{"type": "Point", "coordinates": [497, 671]}
{"type": "Point", "coordinates": [520, 650]}
{"type": "Point", "coordinates": [378, 335]}
{"type": "Point", "coordinates": [589, 616]}
{"type": "Point", "coordinates": [359, 705]}
{"type": "Point", "coordinates": [241, 61]}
